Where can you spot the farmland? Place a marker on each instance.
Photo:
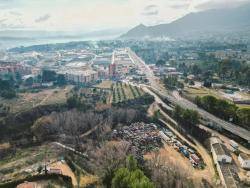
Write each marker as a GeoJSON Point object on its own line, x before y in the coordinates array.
{"type": "Point", "coordinates": [124, 92]}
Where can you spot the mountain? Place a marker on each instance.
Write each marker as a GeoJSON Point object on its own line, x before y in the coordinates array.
{"type": "Point", "coordinates": [199, 23]}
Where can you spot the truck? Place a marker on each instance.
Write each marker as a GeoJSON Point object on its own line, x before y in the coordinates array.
{"type": "Point", "coordinates": [164, 137]}
{"type": "Point", "coordinates": [195, 158]}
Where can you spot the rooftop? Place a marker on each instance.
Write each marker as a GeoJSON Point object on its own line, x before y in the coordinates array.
{"type": "Point", "coordinates": [220, 149]}
{"type": "Point", "coordinates": [245, 156]}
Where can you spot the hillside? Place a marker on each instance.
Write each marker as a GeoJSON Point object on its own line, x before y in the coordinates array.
{"type": "Point", "coordinates": [209, 22]}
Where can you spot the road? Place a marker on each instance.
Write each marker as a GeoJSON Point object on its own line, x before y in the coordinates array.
{"type": "Point", "coordinates": [156, 87]}
{"type": "Point", "coordinates": [70, 149]}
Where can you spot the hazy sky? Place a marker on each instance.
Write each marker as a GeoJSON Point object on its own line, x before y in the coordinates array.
{"type": "Point", "coordinates": [87, 15]}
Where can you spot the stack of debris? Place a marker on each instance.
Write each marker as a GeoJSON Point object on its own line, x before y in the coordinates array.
{"type": "Point", "coordinates": [144, 137]}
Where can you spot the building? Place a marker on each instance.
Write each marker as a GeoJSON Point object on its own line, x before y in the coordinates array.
{"type": "Point", "coordinates": [81, 76]}
{"type": "Point", "coordinates": [12, 68]}
{"type": "Point", "coordinates": [244, 160]}
{"type": "Point", "coordinates": [222, 160]}
{"type": "Point", "coordinates": [220, 152]}
{"type": "Point", "coordinates": [112, 70]}
{"type": "Point", "coordinates": [54, 171]}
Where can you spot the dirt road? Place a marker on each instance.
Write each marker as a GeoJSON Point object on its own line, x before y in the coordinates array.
{"type": "Point", "coordinates": [209, 172]}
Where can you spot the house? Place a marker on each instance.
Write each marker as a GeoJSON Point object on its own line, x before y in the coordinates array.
{"type": "Point", "coordinates": [54, 171]}
{"type": "Point", "coordinates": [244, 160]}
{"type": "Point", "coordinates": [220, 152]}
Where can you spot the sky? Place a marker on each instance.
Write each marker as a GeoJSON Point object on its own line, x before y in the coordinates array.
{"type": "Point", "coordinates": [91, 15]}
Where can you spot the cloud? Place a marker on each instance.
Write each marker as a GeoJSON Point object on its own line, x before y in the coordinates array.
{"type": "Point", "coordinates": [15, 13]}
{"type": "Point", "coordinates": [43, 18]}
{"type": "Point", "coordinates": [150, 7]}
{"type": "Point", "coordinates": [220, 4]}
{"type": "Point", "coordinates": [180, 6]}
{"type": "Point", "coordinates": [3, 20]}
{"type": "Point", "coordinates": [150, 10]}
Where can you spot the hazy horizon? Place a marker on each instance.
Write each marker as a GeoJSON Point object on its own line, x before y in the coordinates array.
{"type": "Point", "coordinates": [87, 16]}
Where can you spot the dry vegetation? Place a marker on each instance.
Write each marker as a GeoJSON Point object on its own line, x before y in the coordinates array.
{"type": "Point", "coordinates": [25, 162]}
{"type": "Point", "coordinates": [28, 100]}
{"type": "Point", "coordinates": [106, 84]}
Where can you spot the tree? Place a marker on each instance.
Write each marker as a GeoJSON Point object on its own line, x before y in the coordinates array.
{"type": "Point", "coordinates": [8, 94]}
{"type": "Point", "coordinates": [196, 69]}
{"type": "Point", "coordinates": [131, 176]}
{"type": "Point", "coordinates": [61, 80]}
{"type": "Point", "coordinates": [29, 81]}
{"type": "Point", "coordinates": [207, 83]}
{"type": "Point", "coordinates": [72, 102]}
{"type": "Point", "coordinates": [131, 163]}
{"type": "Point", "coordinates": [166, 173]}
{"type": "Point", "coordinates": [108, 159]}
{"type": "Point", "coordinates": [48, 76]}
{"type": "Point", "coordinates": [160, 63]}
{"type": "Point", "coordinates": [244, 117]}
{"type": "Point", "coordinates": [18, 78]}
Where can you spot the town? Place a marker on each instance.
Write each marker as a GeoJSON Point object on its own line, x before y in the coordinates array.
{"type": "Point", "coordinates": [171, 117]}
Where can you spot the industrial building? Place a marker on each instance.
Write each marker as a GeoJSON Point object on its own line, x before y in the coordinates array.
{"type": "Point", "coordinates": [223, 160]}
{"type": "Point", "coordinates": [244, 160]}
{"type": "Point", "coordinates": [220, 152]}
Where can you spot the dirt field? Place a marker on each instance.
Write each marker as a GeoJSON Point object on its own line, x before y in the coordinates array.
{"type": "Point", "coordinates": [65, 170]}
{"type": "Point", "coordinates": [87, 180]}
{"type": "Point", "coordinates": [106, 84]}
{"type": "Point", "coordinates": [201, 92]}
{"type": "Point", "coordinates": [26, 101]}
{"type": "Point", "coordinates": [183, 164]}
{"type": "Point", "coordinates": [4, 145]}
{"type": "Point", "coordinates": [192, 92]}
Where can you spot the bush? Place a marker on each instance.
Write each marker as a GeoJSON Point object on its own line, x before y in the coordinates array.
{"type": "Point", "coordinates": [8, 94]}
{"type": "Point", "coordinates": [130, 176]}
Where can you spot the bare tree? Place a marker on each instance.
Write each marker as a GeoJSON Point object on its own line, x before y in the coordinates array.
{"type": "Point", "coordinates": [165, 173]}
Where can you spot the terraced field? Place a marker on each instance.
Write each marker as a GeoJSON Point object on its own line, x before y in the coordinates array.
{"type": "Point", "coordinates": [124, 92]}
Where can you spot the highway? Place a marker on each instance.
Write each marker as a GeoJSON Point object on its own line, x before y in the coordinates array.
{"type": "Point", "coordinates": [176, 99]}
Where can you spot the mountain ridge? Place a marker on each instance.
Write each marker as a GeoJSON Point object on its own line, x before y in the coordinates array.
{"type": "Point", "coordinates": [209, 21]}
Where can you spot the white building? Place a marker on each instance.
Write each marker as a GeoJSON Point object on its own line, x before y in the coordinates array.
{"type": "Point", "coordinates": [220, 152]}
{"type": "Point", "coordinates": [81, 76]}
{"type": "Point", "coordinates": [244, 160]}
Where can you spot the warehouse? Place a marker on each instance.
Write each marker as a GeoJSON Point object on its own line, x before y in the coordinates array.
{"type": "Point", "coordinates": [244, 160]}
{"type": "Point", "coordinates": [220, 152]}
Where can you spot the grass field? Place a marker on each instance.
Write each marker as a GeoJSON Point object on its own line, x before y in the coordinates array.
{"type": "Point", "coordinates": [28, 100]}
{"type": "Point", "coordinates": [106, 84]}
{"type": "Point", "coordinates": [191, 93]}
{"type": "Point", "coordinates": [201, 92]}
{"type": "Point", "coordinates": [123, 92]}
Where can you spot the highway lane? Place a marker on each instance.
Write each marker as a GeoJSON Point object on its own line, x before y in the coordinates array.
{"type": "Point", "coordinates": [178, 100]}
